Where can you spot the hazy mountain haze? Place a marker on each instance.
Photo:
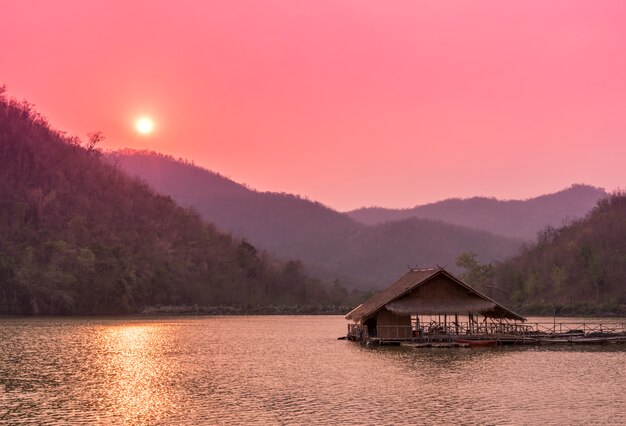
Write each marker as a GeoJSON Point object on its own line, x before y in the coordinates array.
{"type": "Point", "coordinates": [513, 218]}
{"type": "Point", "coordinates": [336, 245]}
{"type": "Point", "coordinates": [79, 236]}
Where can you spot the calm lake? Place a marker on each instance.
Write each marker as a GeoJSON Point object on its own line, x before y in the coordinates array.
{"type": "Point", "coordinates": [288, 370]}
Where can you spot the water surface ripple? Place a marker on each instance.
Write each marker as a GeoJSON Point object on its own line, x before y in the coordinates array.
{"type": "Point", "coordinates": [288, 370]}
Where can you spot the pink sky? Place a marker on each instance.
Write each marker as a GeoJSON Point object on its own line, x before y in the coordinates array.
{"type": "Point", "coordinates": [349, 103]}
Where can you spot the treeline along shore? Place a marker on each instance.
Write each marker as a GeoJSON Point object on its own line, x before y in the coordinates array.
{"type": "Point", "coordinates": [577, 269]}
{"type": "Point", "coordinates": [247, 310]}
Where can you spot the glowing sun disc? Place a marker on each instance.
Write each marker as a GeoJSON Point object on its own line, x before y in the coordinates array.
{"type": "Point", "coordinates": [144, 125]}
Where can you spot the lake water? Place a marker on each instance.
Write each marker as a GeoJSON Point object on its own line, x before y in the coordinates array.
{"type": "Point", "coordinates": [288, 370]}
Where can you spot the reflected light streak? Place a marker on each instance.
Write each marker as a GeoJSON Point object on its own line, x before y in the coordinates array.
{"type": "Point", "coordinates": [138, 373]}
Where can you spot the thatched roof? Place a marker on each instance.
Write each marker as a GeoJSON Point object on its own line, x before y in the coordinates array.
{"type": "Point", "coordinates": [420, 292]}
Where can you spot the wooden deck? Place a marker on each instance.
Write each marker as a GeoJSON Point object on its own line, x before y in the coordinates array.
{"type": "Point", "coordinates": [473, 334]}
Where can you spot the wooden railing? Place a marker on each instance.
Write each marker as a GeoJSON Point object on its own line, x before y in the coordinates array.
{"type": "Point", "coordinates": [584, 328]}
{"type": "Point", "coordinates": [441, 330]}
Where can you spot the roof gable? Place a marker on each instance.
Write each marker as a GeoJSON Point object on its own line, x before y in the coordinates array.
{"type": "Point", "coordinates": [419, 292]}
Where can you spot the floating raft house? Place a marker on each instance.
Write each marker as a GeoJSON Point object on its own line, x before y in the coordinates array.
{"type": "Point", "coordinates": [432, 307]}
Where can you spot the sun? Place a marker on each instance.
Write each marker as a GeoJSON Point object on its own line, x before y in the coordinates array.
{"type": "Point", "coordinates": [144, 125]}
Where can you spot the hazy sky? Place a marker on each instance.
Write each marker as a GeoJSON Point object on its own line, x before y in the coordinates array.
{"type": "Point", "coordinates": [351, 103]}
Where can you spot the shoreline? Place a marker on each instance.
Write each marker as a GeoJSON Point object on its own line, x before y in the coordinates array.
{"type": "Point", "coordinates": [582, 310]}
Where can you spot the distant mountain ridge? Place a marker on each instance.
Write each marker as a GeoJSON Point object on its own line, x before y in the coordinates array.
{"type": "Point", "coordinates": [513, 218]}
{"type": "Point", "coordinates": [283, 223]}
{"type": "Point", "coordinates": [333, 244]}
{"type": "Point", "coordinates": [78, 236]}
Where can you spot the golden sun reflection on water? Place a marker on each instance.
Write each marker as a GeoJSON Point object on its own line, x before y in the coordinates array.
{"type": "Point", "coordinates": [288, 370]}
{"type": "Point", "coordinates": [137, 373]}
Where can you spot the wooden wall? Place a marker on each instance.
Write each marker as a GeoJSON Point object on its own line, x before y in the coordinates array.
{"type": "Point", "coordinates": [390, 325]}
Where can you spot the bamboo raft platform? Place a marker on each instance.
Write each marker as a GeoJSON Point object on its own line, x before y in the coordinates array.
{"type": "Point", "coordinates": [453, 335]}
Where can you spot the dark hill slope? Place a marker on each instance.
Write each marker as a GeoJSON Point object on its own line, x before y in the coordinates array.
{"type": "Point", "coordinates": [584, 262]}
{"type": "Point", "coordinates": [283, 223]}
{"type": "Point", "coordinates": [79, 236]}
{"type": "Point", "coordinates": [384, 251]}
{"type": "Point", "coordinates": [334, 245]}
{"type": "Point", "coordinates": [513, 218]}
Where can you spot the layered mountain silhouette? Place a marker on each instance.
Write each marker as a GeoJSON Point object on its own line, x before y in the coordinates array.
{"type": "Point", "coordinates": [334, 245]}
{"type": "Point", "coordinates": [79, 236]}
{"type": "Point", "coordinates": [512, 218]}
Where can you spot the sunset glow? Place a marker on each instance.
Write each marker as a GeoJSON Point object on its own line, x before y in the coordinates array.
{"type": "Point", "coordinates": [349, 103]}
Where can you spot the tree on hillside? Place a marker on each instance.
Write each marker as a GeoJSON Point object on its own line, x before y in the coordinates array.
{"type": "Point", "coordinates": [476, 274]}
{"type": "Point", "coordinates": [581, 263]}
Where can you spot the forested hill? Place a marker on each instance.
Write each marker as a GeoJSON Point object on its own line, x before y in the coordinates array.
{"type": "Point", "coordinates": [282, 223]}
{"type": "Point", "coordinates": [582, 263]}
{"type": "Point", "coordinates": [512, 218]}
{"type": "Point", "coordinates": [78, 236]}
{"type": "Point", "coordinates": [332, 244]}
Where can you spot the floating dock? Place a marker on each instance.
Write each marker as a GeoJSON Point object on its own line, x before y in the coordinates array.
{"type": "Point", "coordinates": [433, 308]}
{"type": "Point", "coordinates": [562, 333]}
